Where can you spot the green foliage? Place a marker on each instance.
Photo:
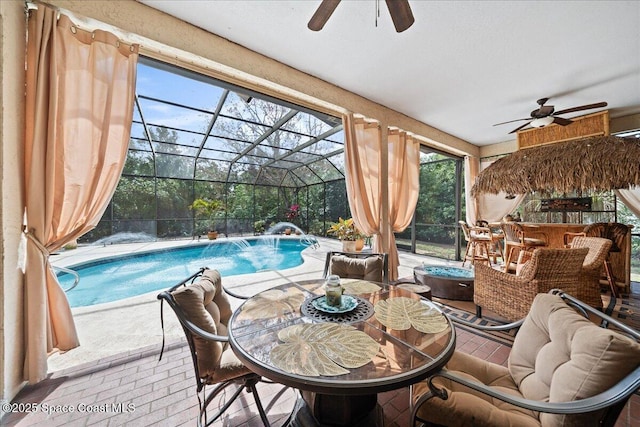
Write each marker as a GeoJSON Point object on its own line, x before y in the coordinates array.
{"type": "Point", "coordinates": [345, 229]}
{"type": "Point", "coordinates": [207, 209]}
{"type": "Point", "coordinates": [258, 226]}
{"type": "Point", "coordinates": [436, 203]}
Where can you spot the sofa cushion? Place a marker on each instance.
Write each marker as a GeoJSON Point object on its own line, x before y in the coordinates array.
{"type": "Point", "coordinates": [558, 356]}
{"type": "Point", "coordinates": [369, 268]}
{"type": "Point", "coordinates": [205, 304]}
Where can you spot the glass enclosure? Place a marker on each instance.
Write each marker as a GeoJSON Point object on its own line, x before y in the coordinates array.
{"type": "Point", "coordinates": [261, 161]}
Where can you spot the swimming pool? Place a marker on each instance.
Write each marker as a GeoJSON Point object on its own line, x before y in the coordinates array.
{"type": "Point", "coordinates": [115, 278]}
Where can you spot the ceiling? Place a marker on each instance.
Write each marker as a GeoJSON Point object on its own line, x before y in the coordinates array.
{"type": "Point", "coordinates": [462, 67]}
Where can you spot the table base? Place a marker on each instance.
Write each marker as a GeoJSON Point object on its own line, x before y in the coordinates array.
{"type": "Point", "coordinates": [323, 410]}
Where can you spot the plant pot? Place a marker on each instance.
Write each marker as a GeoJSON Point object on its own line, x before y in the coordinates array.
{"type": "Point", "coordinates": [348, 245]}
{"type": "Point", "coordinates": [359, 245]}
{"type": "Point", "coordinates": [212, 235]}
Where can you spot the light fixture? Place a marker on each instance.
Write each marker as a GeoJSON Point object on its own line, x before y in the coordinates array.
{"type": "Point", "coordinates": [541, 122]}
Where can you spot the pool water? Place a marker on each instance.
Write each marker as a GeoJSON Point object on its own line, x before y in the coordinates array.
{"type": "Point", "coordinates": [116, 278]}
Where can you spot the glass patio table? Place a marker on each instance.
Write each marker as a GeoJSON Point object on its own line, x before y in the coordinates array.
{"type": "Point", "coordinates": [392, 338]}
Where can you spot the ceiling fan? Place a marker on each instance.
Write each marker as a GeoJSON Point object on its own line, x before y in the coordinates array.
{"type": "Point", "coordinates": [399, 9]}
{"type": "Point", "coordinates": [545, 115]}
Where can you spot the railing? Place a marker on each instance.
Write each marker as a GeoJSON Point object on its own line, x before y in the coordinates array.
{"type": "Point", "coordinates": [68, 271]}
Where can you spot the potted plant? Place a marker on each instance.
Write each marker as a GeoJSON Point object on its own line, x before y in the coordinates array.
{"type": "Point", "coordinates": [258, 226]}
{"type": "Point", "coordinates": [207, 209]}
{"type": "Point", "coordinates": [292, 213]}
{"type": "Point", "coordinates": [346, 231]}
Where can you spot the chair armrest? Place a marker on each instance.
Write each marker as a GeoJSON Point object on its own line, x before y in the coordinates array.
{"type": "Point", "coordinates": [533, 233]}
{"type": "Point", "coordinates": [481, 232]}
{"type": "Point", "coordinates": [615, 394]}
{"type": "Point", "coordinates": [233, 294]}
{"type": "Point", "coordinates": [496, 327]}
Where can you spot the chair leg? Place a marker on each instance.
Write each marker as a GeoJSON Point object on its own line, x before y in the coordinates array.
{"type": "Point", "coordinates": [507, 262]}
{"type": "Point", "coordinates": [252, 388]}
{"type": "Point", "coordinates": [487, 246]}
{"type": "Point", "coordinates": [216, 391]}
{"type": "Point", "coordinates": [612, 283]}
{"type": "Point", "coordinates": [466, 253]}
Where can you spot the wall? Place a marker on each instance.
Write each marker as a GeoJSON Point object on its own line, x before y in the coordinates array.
{"type": "Point", "coordinates": [12, 47]}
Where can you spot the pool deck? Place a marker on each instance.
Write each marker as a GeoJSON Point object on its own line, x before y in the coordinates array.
{"type": "Point", "coordinates": [132, 324]}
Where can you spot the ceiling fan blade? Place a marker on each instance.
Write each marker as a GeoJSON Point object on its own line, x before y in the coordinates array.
{"type": "Point", "coordinates": [322, 14]}
{"type": "Point", "coordinates": [401, 14]}
{"type": "Point", "coordinates": [561, 121]}
{"type": "Point", "coordinates": [582, 107]}
{"type": "Point", "coordinates": [518, 128]}
{"type": "Point", "coordinates": [511, 121]}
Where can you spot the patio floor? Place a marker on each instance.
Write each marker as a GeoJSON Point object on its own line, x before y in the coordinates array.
{"type": "Point", "coordinates": [117, 379]}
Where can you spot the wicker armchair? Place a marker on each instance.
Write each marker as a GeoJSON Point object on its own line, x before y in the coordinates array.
{"type": "Point", "coordinates": [616, 232]}
{"type": "Point", "coordinates": [589, 289]}
{"type": "Point", "coordinates": [510, 296]}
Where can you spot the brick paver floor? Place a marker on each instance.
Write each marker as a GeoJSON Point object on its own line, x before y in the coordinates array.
{"type": "Point", "coordinates": [136, 389]}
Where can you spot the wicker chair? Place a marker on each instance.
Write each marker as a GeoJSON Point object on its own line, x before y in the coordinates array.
{"type": "Point", "coordinates": [563, 370]}
{"type": "Point", "coordinates": [615, 232]}
{"type": "Point", "coordinates": [589, 289]}
{"type": "Point", "coordinates": [516, 237]}
{"type": "Point", "coordinates": [510, 296]}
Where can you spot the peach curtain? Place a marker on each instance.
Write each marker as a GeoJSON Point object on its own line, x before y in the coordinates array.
{"type": "Point", "coordinates": [364, 182]}
{"type": "Point", "coordinates": [631, 199]}
{"type": "Point", "coordinates": [404, 188]}
{"type": "Point", "coordinates": [79, 107]}
{"type": "Point", "coordinates": [363, 146]}
{"type": "Point", "coordinates": [471, 171]}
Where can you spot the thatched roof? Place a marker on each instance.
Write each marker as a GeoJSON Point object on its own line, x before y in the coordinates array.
{"type": "Point", "coordinates": [595, 163]}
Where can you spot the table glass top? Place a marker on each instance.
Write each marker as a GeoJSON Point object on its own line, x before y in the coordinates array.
{"type": "Point", "coordinates": [404, 336]}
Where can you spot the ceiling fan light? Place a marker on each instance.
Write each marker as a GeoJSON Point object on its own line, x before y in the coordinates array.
{"type": "Point", "coordinates": [542, 122]}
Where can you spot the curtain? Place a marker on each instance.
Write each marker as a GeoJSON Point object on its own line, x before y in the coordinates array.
{"type": "Point", "coordinates": [631, 199]}
{"type": "Point", "coordinates": [363, 163]}
{"type": "Point", "coordinates": [79, 107]}
{"type": "Point", "coordinates": [493, 207]}
{"type": "Point", "coordinates": [471, 170]}
{"type": "Point", "coordinates": [363, 146]}
{"type": "Point", "coordinates": [404, 189]}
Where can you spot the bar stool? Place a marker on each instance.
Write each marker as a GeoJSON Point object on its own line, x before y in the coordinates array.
{"type": "Point", "coordinates": [497, 237]}
{"type": "Point", "coordinates": [515, 237]}
{"type": "Point", "coordinates": [478, 242]}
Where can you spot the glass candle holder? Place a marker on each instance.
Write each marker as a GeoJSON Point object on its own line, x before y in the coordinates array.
{"type": "Point", "coordinates": [333, 291]}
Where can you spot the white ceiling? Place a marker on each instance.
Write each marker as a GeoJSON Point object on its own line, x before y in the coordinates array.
{"type": "Point", "coordinates": [462, 67]}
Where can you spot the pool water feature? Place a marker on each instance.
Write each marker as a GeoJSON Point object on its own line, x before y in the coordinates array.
{"type": "Point", "coordinates": [116, 278]}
